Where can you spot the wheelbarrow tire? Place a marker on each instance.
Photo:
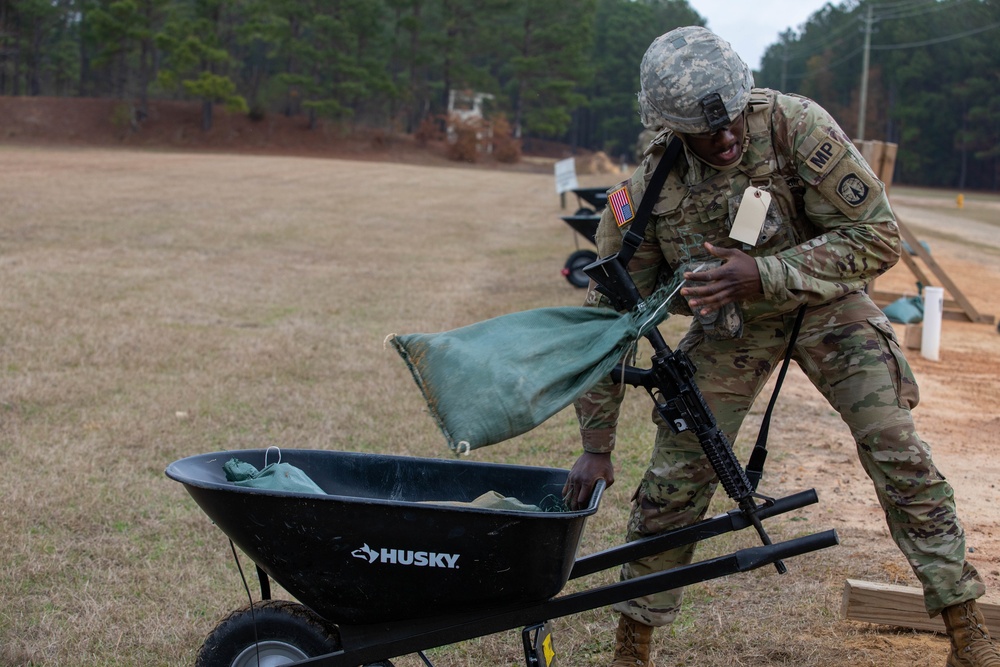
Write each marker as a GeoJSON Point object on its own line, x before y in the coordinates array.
{"type": "Point", "coordinates": [284, 630]}
{"type": "Point", "coordinates": [574, 267]}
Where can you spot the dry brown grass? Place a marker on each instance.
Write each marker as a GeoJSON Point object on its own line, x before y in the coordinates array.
{"type": "Point", "coordinates": [159, 305]}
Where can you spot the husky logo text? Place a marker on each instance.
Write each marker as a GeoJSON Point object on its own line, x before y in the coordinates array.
{"type": "Point", "coordinates": [407, 557]}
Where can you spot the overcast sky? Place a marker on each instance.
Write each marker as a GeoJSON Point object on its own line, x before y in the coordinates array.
{"type": "Point", "coordinates": [753, 25]}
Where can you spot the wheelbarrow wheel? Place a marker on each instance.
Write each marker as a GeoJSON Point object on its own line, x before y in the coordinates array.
{"type": "Point", "coordinates": [573, 270]}
{"type": "Point", "coordinates": [278, 631]}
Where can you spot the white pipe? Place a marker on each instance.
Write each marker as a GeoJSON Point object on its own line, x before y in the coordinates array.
{"type": "Point", "coordinates": [930, 339]}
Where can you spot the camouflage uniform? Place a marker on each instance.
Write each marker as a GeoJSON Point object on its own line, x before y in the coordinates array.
{"type": "Point", "coordinates": [829, 231]}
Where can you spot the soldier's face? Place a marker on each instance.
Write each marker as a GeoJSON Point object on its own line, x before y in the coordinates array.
{"type": "Point", "coordinates": [722, 148]}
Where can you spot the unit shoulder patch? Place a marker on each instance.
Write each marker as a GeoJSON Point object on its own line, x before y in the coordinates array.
{"type": "Point", "coordinates": [851, 187]}
{"type": "Point", "coordinates": [853, 190]}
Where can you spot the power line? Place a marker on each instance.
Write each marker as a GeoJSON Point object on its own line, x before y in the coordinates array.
{"type": "Point", "coordinates": [898, 11]}
{"type": "Point", "coordinates": [829, 40]}
{"type": "Point", "coordinates": [815, 49]}
{"type": "Point", "coordinates": [832, 38]}
{"type": "Point", "coordinates": [828, 66]}
{"type": "Point", "coordinates": [936, 40]}
{"type": "Point", "coordinates": [903, 4]}
{"type": "Point", "coordinates": [915, 8]}
{"type": "Point", "coordinates": [891, 47]}
{"type": "Point", "coordinates": [907, 13]}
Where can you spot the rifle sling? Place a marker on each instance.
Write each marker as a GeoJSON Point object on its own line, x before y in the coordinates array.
{"type": "Point", "coordinates": [637, 230]}
{"type": "Point", "coordinates": [755, 466]}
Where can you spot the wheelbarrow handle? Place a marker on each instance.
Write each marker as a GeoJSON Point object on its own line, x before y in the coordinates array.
{"type": "Point", "coordinates": [731, 521]}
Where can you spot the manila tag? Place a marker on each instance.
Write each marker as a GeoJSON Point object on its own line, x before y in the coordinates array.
{"type": "Point", "coordinates": [750, 217]}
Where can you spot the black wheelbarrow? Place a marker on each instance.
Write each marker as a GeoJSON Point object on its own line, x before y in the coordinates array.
{"type": "Point", "coordinates": [584, 222]}
{"type": "Point", "coordinates": [387, 564]}
{"type": "Point", "coordinates": [590, 200]}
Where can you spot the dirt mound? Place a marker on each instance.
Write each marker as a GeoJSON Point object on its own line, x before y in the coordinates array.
{"type": "Point", "coordinates": [598, 163]}
{"type": "Point", "coordinates": [177, 125]}
{"type": "Point", "coordinates": [172, 124]}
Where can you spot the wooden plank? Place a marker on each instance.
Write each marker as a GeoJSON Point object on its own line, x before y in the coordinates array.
{"type": "Point", "coordinates": [888, 165]}
{"type": "Point", "coordinates": [914, 268]}
{"type": "Point", "coordinates": [873, 152]}
{"type": "Point", "coordinates": [881, 157]}
{"type": "Point", "coordinates": [913, 336]}
{"type": "Point", "coordinates": [957, 308]}
{"type": "Point", "coordinates": [960, 316]}
{"type": "Point", "coordinates": [951, 315]}
{"type": "Point", "coordinates": [883, 298]}
{"type": "Point", "coordinates": [946, 282]}
{"type": "Point", "coordinates": [901, 606]}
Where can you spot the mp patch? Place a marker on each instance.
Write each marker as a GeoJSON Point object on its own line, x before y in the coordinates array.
{"type": "Point", "coordinates": [821, 150]}
{"type": "Point", "coordinates": [853, 190]}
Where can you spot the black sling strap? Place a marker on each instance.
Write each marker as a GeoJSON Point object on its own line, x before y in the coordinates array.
{"type": "Point", "coordinates": [755, 466]}
{"type": "Point", "coordinates": [637, 230]}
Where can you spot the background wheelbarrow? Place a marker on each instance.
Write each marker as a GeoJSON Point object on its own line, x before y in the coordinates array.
{"type": "Point", "coordinates": [386, 565]}
{"type": "Point", "coordinates": [590, 201]}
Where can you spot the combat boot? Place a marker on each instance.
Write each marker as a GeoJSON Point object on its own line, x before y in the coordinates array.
{"type": "Point", "coordinates": [632, 643]}
{"type": "Point", "coordinates": [971, 645]}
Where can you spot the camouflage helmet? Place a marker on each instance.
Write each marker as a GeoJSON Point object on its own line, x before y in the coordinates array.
{"type": "Point", "coordinates": [692, 81]}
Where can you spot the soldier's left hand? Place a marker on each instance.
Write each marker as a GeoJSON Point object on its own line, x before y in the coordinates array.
{"type": "Point", "coordinates": [737, 279]}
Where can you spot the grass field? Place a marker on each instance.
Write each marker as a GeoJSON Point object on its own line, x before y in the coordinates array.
{"type": "Point", "coordinates": [157, 305]}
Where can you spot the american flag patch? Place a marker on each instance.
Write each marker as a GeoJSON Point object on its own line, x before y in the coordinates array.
{"type": "Point", "coordinates": [620, 202]}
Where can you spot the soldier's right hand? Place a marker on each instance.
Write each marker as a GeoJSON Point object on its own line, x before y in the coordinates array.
{"type": "Point", "coordinates": [584, 474]}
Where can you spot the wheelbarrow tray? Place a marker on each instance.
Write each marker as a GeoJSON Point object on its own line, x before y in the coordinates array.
{"type": "Point", "coordinates": [596, 197]}
{"type": "Point", "coordinates": [378, 548]}
{"type": "Point", "coordinates": [584, 225]}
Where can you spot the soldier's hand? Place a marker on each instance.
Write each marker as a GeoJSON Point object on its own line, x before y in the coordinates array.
{"type": "Point", "coordinates": [584, 475]}
{"type": "Point", "coordinates": [737, 278]}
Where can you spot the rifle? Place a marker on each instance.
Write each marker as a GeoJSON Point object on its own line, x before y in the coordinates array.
{"type": "Point", "coordinates": [670, 383]}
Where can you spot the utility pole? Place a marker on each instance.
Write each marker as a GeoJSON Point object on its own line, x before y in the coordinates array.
{"type": "Point", "coordinates": [863, 101]}
{"type": "Point", "coordinates": [784, 67]}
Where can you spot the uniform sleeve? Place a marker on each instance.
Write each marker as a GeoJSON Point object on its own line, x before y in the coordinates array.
{"type": "Point", "coordinates": [597, 410]}
{"type": "Point", "coordinates": [854, 236]}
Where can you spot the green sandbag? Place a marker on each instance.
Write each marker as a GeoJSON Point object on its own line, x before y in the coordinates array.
{"type": "Point", "coordinates": [493, 380]}
{"type": "Point", "coordinates": [491, 500]}
{"type": "Point", "coordinates": [274, 477]}
{"type": "Point", "coordinates": [905, 310]}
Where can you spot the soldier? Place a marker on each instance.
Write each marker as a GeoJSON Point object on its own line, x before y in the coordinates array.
{"type": "Point", "coordinates": [827, 232]}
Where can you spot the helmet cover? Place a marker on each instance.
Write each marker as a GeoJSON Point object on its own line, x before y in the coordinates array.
{"type": "Point", "coordinates": [692, 81]}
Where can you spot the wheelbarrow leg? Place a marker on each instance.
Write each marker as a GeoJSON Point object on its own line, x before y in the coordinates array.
{"type": "Point", "coordinates": [265, 584]}
{"type": "Point", "coordinates": [537, 640]}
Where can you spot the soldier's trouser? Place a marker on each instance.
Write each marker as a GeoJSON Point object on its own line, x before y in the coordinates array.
{"type": "Point", "coordinates": [848, 350]}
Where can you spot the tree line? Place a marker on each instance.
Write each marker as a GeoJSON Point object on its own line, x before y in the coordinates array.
{"type": "Point", "coordinates": [933, 74]}
{"type": "Point", "coordinates": [565, 70]}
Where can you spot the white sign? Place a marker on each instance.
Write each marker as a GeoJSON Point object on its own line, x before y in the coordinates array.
{"type": "Point", "coordinates": [566, 176]}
